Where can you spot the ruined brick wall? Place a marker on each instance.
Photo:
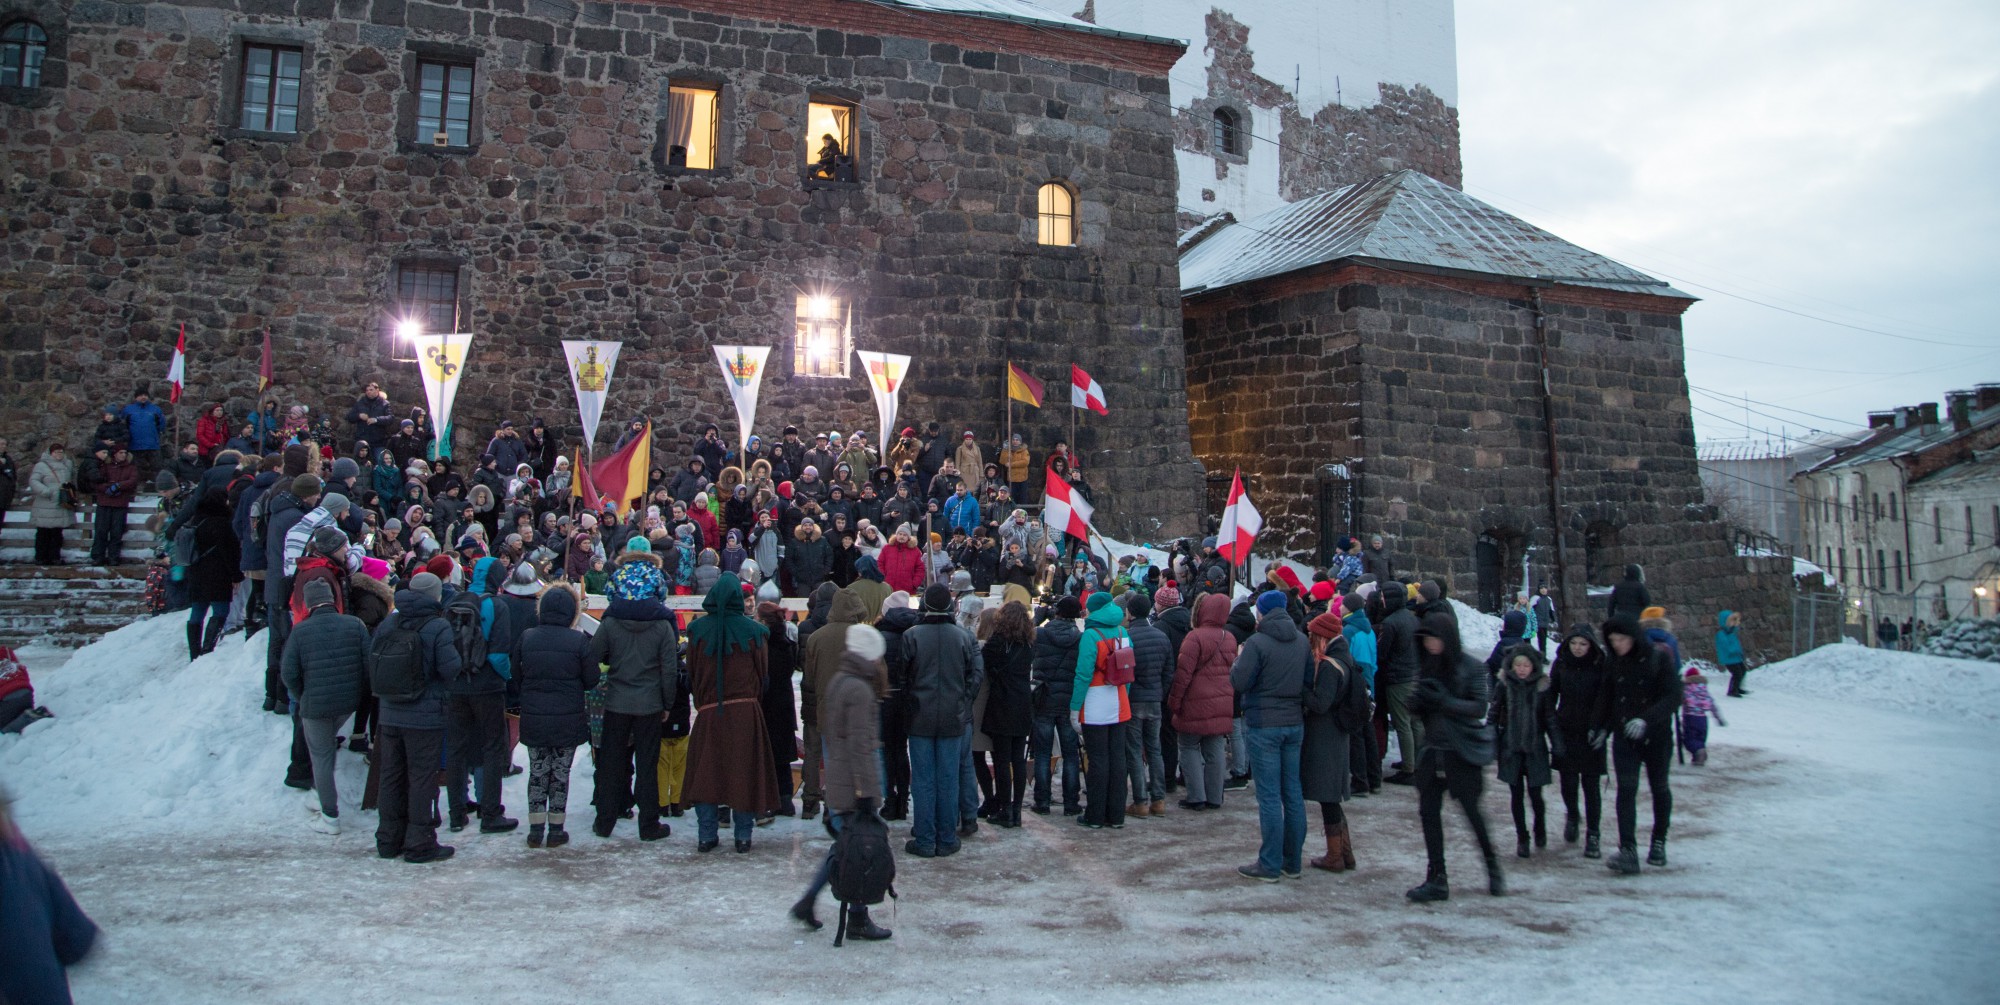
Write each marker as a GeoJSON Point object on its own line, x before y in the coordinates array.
{"type": "Point", "coordinates": [1446, 436]}
{"type": "Point", "coordinates": [130, 207]}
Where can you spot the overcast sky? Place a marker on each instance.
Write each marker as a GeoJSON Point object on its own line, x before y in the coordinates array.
{"type": "Point", "coordinates": [1831, 157]}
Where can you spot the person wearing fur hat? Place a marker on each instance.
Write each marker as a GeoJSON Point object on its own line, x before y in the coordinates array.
{"type": "Point", "coordinates": [1452, 694]}
{"type": "Point", "coordinates": [1523, 714]}
{"type": "Point", "coordinates": [851, 734]}
{"type": "Point", "coordinates": [1696, 706]}
{"type": "Point", "coordinates": [1270, 674]}
{"type": "Point", "coordinates": [1642, 691]}
{"type": "Point", "coordinates": [944, 672]}
{"type": "Point", "coordinates": [1325, 776]}
{"type": "Point", "coordinates": [1575, 682]}
{"type": "Point", "coordinates": [637, 642]}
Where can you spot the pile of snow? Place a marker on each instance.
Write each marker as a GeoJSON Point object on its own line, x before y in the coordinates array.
{"type": "Point", "coordinates": [1966, 640]}
{"type": "Point", "coordinates": [1477, 633]}
{"type": "Point", "coordinates": [1885, 678]}
{"type": "Point", "coordinates": [143, 738]}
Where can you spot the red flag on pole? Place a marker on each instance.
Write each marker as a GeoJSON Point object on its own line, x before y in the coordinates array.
{"type": "Point", "coordinates": [582, 487]}
{"type": "Point", "coordinates": [265, 374]}
{"type": "Point", "coordinates": [1240, 524]}
{"type": "Point", "coordinates": [178, 371]}
{"type": "Point", "coordinates": [621, 477]}
{"type": "Point", "coordinates": [1064, 509]}
{"type": "Point", "coordinates": [1084, 391]}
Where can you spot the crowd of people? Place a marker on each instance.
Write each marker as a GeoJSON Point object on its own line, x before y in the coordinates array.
{"type": "Point", "coordinates": [952, 655]}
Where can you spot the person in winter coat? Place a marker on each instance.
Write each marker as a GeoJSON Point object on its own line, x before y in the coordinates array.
{"type": "Point", "coordinates": [1660, 632]}
{"type": "Point", "coordinates": [1575, 684]}
{"type": "Point", "coordinates": [823, 652]}
{"type": "Point", "coordinates": [211, 580]}
{"type": "Point", "coordinates": [41, 925]}
{"type": "Point", "coordinates": [729, 752]}
{"type": "Point", "coordinates": [145, 427]}
{"type": "Point", "coordinates": [1696, 706]}
{"type": "Point", "coordinates": [17, 694]}
{"type": "Point", "coordinates": [411, 734]}
{"type": "Point", "coordinates": [707, 571]}
{"type": "Point", "coordinates": [325, 668]}
{"type": "Point", "coordinates": [1053, 678]}
{"type": "Point", "coordinates": [1630, 598]}
{"type": "Point", "coordinates": [1377, 561]}
{"type": "Point", "coordinates": [945, 673]}
{"type": "Point", "coordinates": [781, 722]}
{"type": "Point", "coordinates": [1201, 701]}
{"type": "Point", "coordinates": [116, 483]}
{"type": "Point", "coordinates": [638, 644]}
{"type": "Point", "coordinates": [902, 561]}
{"type": "Point", "coordinates": [1513, 633]}
{"type": "Point", "coordinates": [1102, 709]}
{"type": "Point", "coordinates": [808, 559]}
{"type": "Point", "coordinates": [1396, 676]}
{"type": "Point", "coordinates": [1452, 694]}
{"type": "Point", "coordinates": [476, 711]}
{"type": "Point", "coordinates": [1641, 693]}
{"type": "Point", "coordinates": [1152, 675]}
{"type": "Point", "coordinates": [897, 617]}
{"type": "Point", "coordinates": [1324, 774]}
{"type": "Point", "coordinates": [1364, 757]}
{"type": "Point", "coordinates": [46, 508]}
{"type": "Point", "coordinates": [1015, 464]}
{"type": "Point", "coordinates": [1270, 673]}
{"type": "Point", "coordinates": [1729, 650]}
{"type": "Point", "coordinates": [1008, 657]}
{"type": "Point", "coordinates": [1523, 714]}
{"type": "Point", "coordinates": [853, 742]}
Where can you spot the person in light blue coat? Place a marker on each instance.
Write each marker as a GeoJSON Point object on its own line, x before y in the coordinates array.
{"type": "Point", "coordinates": [1729, 650]}
{"type": "Point", "coordinates": [1364, 756]}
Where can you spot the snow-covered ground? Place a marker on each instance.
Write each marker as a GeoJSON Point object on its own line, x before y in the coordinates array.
{"type": "Point", "coordinates": [1834, 849]}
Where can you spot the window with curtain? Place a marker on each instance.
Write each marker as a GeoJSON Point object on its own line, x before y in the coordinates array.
{"type": "Point", "coordinates": [23, 47]}
{"type": "Point", "coordinates": [269, 96]}
{"type": "Point", "coordinates": [444, 103]}
{"type": "Point", "coordinates": [692, 125]}
{"type": "Point", "coordinates": [1055, 209]}
{"type": "Point", "coordinates": [830, 141]}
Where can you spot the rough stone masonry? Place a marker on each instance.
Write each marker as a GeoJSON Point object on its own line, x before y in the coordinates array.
{"type": "Point", "coordinates": [132, 204]}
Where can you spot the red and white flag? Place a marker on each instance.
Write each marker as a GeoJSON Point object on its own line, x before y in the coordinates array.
{"type": "Point", "coordinates": [1084, 392]}
{"type": "Point", "coordinates": [1064, 509]}
{"type": "Point", "coordinates": [177, 373]}
{"type": "Point", "coordinates": [1240, 524]}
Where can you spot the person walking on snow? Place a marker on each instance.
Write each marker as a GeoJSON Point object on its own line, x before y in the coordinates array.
{"type": "Point", "coordinates": [1729, 650]}
{"type": "Point", "coordinates": [1522, 712]}
{"type": "Point", "coordinates": [1696, 706]}
{"type": "Point", "coordinates": [1575, 683]}
{"type": "Point", "coordinates": [1641, 694]}
{"type": "Point", "coordinates": [1451, 695]}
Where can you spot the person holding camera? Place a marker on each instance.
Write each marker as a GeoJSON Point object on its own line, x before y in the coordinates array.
{"type": "Point", "coordinates": [117, 482]}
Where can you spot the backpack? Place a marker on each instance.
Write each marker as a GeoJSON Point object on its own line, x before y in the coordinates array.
{"type": "Point", "coordinates": [864, 868]}
{"type": "Point", "coordinates": [1121, 664]}
{"type": "Point", "coordinates": [462, 614]}
{"type": "Point", "coordinates": [1352, 710]}
{"type": "Point", "coordinates": [398, 674]}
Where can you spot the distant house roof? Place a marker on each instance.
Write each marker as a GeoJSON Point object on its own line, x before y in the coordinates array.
{"type": "Point", "coordinates": [1891, 441]}
{"type": "Point", "coordinates": [1023, 12]}
{"type": "Point", "coordinates": [1406, 217]}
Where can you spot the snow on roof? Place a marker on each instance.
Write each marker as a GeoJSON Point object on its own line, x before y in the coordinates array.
{"type": "Point", "coordinates": [1890, 441]}
{"type": "Point", "coordinates": [1023, 12]}
{"type": "Point", "coordinates": [1406, 217]}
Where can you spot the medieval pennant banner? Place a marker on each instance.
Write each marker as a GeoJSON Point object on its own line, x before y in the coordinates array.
{"type": "Point", "coordinates": [886, 372]}
{"type": "Point", "coordinates": [590, 367]}
{"type": "Point", "coordinates": [441, 359]}
{"type": "Point", "coordinates": [743, 374]}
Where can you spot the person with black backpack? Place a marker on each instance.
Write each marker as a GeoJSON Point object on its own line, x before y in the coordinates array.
{"type": "Point", "coordinates": [1336, 707]}
{"type": "Point", "coordinates": [476, 712]}
{"type": "Point", "coordinates": [860, 864]}
{"type": "Point", "coordinates": [415, 658]}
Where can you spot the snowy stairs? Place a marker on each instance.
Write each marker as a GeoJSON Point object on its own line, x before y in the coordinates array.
{"type": "Point", "coordinates": [73, 604]}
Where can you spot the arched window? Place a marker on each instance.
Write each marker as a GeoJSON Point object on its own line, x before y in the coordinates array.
{"type": "Point", "coordinates": [1228, 132]}
{"type": "Point", "coordinates": [23, 46]}
{"type": "Point", "coordinates": [1055, 206]}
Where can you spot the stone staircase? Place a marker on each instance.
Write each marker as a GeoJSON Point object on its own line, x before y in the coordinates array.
{"type": "Point", "coordinates": [72, 604]}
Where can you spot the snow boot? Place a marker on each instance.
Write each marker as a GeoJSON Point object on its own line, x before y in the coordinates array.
{"type": "Point", "coordinates": [1570, 826]}
{"type": "Point", "coordinates": [1496, 881]}
{"type": "Point", "coordinates": [535, 835]}
{"type": "Point", "coordinates": [436, 853]}
{"type": "Point", "coordinates": [1346, 847]}
{"type": "Point", "coordinates": [1590, 846]}
{"type": "Point", "coordinates": [1433, 888]}
{"type": "Point", "coordinates": [1040, 810]}
{"type": "Point", "coordinates": [1014, 814]}
{"type": "Point", "coordinates": [194, 642]}
{"type": "Point", "coordinates": [322, 823]}
{"type": "Point", "coordinates": [1159, 808]}
{"type": "Point", "coordinates": [654, 831]}
{"type": "Point", "coordinates": [1626, 862]}
{"type": "Point", "coordinates": [805, 912]}
{"type": "Point", "coordinates": [810, 811]}
{"type": "Point", "coordinates": [1657, 857]}
{"type": "Point", "coordinates": [1521, 848]}
{"type": "Point", "coordinates": [210, 636]}
{"type": "Point", "coordinates": [1541, 830]}
{"type": "Point", "coordinates": [498, 825]}
{"type": "Point", "coordinates": [1139, 810]}
{"type": "Point", "coordinates": [1335, 859]}
{"type": "Point", "coordinates": [557, 836]}
{"type": "Point", "coordinates": [860, 926]}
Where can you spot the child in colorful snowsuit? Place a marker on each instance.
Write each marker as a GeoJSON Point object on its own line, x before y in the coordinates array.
{"type": "Point", "coordinates": [1696, 707]}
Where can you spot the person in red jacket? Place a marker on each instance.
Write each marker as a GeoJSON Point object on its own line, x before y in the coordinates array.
{"type": "Point", "coordinates": [17, 695]}
{"type": "Point", "coordinates": [325, 559]}
{"type": "Point", "coordinates": [211, 431]}
{"type": "Point", "coordinates": [1202, 702]}
{"type": "Point", "coordinates": [902, 562]}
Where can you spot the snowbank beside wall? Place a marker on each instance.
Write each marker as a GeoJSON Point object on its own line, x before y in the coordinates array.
{"type": "Point", "coordinates": [1884, 678]}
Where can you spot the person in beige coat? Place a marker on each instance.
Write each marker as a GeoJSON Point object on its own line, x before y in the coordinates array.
{"type": "Point", "coordinates": [850, 721]}
{"type": "Point", "coordinates": [971, 463]}
{"type": "Point", "coordinates": [46, 508]}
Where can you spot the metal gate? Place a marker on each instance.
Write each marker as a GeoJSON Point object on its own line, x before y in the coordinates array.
{"type": "Point", "coordinates": [1335, 511]}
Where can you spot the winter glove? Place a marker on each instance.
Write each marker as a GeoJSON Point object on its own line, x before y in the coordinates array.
{"type": "Point", "coordinates": [1596, 739]}
{"type": "Point", "coordinates": [1635, 729]}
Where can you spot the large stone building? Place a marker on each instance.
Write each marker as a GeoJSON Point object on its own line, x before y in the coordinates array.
{"type": "Point", "coordinates": [1396, 357]}
{"type": "Point", "coordinates": [1003, 187]}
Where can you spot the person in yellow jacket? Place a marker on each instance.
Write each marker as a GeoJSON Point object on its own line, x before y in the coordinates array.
{"type": "Point", "coordinates": [1014, 466]}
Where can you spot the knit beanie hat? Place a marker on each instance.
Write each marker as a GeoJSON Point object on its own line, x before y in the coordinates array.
{"type": "Point", "coordinates": [1096, 602]}
{"type": "Point", "coordinates": [318, 594]}
{"type": "Point", "coordinates": [937, 599]}
{"type": "Point", "coordinates": [306, 486]}
{"type": "Point", "coordinates": [639, 544]}
{"type": "Point", "coordinates": [344, 467]}
{"type": "Point", "coordinates": [1168, 595]}
{"type": "Point", "coordinates": [864, 641]}
{"type": "Point", "coordinates": [328, 540]}
{"type": "Point", "coordinates": [1322, 590]}
{"type": "Point", "coordinates": [1325, 626]}
{"type": "Point", "coordinates": [1268, 601]}
{"type": "Point", "coordinates": [1069, 609]}
{"type": "Point", "coordinates": [427, 585]}
{"type": "Point", "coordinates": [334, 502]}
{"type": "Point", "coordinates": [441, 567]}
{"type": "Point", "coordinates": [165, 482]}
{"type": "Point", "coordinates": [1652, 612]}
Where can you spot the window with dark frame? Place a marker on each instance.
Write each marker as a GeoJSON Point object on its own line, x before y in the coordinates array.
{"type": "Point", "coordinates": [444, 102]}
{"type": "Point", "coordinates": [832, 133]}
{"type": "Point", "coordinates": [23, 48]}
{"type": "Point", "coordinates": [1228, 132]}
{"type": "Point", "coordinates": [1055, 209]}
{"type": "Point", "coordinates": [428, 295]}
{"type": "Point", "coordinates": [1968, 527]}
{"type": "Point", "coordinates": [692, 126]}
{"type": "Point", "coordinates": [1899, 572]}
{"type": "Point", "coordinates": [823, 338]}
{"type": "Point", "coordinates": [268, 92]}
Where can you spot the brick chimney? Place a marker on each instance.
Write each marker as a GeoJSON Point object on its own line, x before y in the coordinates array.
{"type": "Point", "coordinates": [1958, 406]}
{"type": "Point", "coordinates": [1989, 395]}
{"type": "Point", "coordinates": [1927, 416]}
{"type": "Point", "coordinates": [1906, 416]}
{"type": "Point", "coordinates": [1881, 420]}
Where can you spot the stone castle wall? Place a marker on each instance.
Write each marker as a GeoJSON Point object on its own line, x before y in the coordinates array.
{"type": "Point", "coordinates": [132, 205]}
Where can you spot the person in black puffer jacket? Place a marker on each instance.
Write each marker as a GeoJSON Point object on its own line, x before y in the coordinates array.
{"type": "Point", "coordinates": [1150, 678]}
{"type": "Point", "coordinates": [897, 617]}
{"type": "Point", "coordinates": [1054, 679]}
{"type": "Point", "coordinates": [1396, 675]}
{"type": "Point", "coordinates": [554, 675]}
{"type": "Point", "coordinates": [1575, 681]}
{"type": "Point", "coordinates": [1452, 693]}
{"type": "Point", "coordinates": [412, 732]}
{"type": "Point", "coordinates": [1636, 709]}
{"type": "Point", "coordinates": [323, 666]}
{"type": "Point", "coordinates": [1009, 659]}
{"type": "Point", "coordinates": [1630, 597]}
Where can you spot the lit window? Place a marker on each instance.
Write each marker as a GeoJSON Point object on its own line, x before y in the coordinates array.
{"type": "Point", "coordinates": [428, 294]}
{"type": "Point", "coordinates": [444, 103]}
{"type": "Point", "coordinates": [821, 340]}
{"type": "Point", "coordinates": [270, 89]}
{"type": "Point", "coordinates": [691, 125]}
{"type": "Point", "coordinates": [1228, 132]}
{"type": "Point", "coordinates": [830, 133]}
{"type": "Point", "coordinates": [23, 46]}
{"type": "Point", "coordinates": [1056, 209]}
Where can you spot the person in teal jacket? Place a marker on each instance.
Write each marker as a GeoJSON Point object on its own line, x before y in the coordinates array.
{"type": "Point", "coordinates": [1363, 758]}
{"type": "Point", "coordinates": [1729, 650]}
{"type": "Point", "coordinates": [1103, 712]}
